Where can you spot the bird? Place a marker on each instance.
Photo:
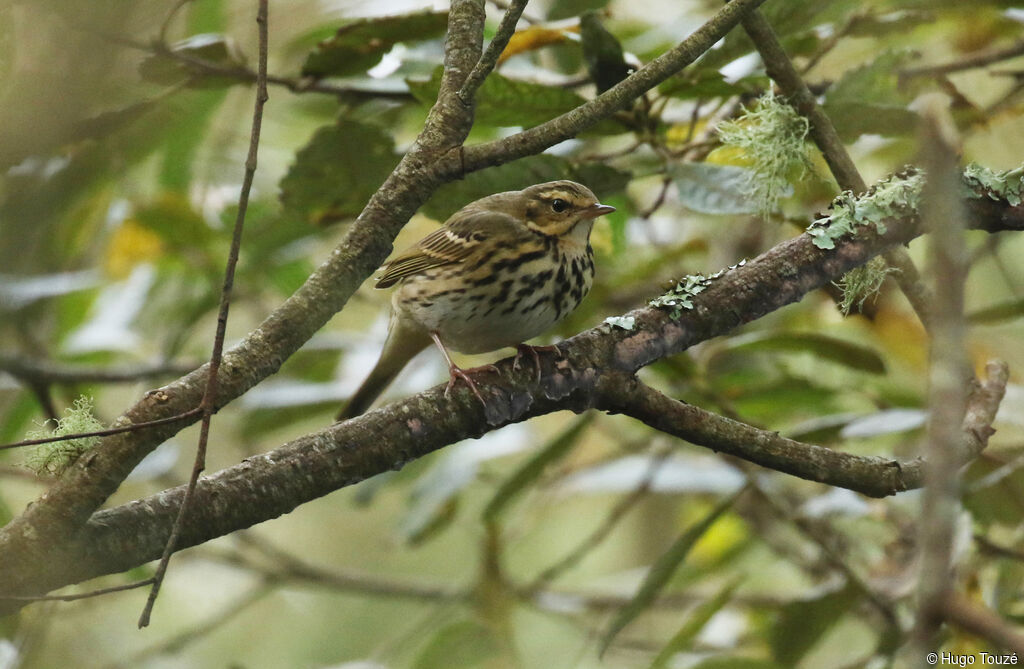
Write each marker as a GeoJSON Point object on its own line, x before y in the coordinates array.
{"type": "Point", "coordinates": [501, 270]}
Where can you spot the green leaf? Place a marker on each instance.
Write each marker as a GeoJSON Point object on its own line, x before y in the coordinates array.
{"type": "Point", "coordinates": [451, 197]}
{"type": "Point", "coordinates": [337, 171]}
{"type": "Point", "coordinates": [848, 354]}
{"type": "Point", "coordinates": [696, 621]}
{"type": "Point", "coordinates": [360, 45]}
{"type": "Point", "coordinates": [604, 180]}
{"type": "Point", "coordinates": [868, 99]}
{"type": "Point", "coordinates": [531, 470]}
{"type": "Point", "coordinates": [506, 102]}
{"type": "Point", "coordinates": [602, 52]}
{"type": "Point", "coordinates": [211, 47]}
{"type": "Point", "coordinates": [460, 644]}
{"type": "Point", "coordinates": [186, 137]}
{"type": "Point", "coordinates": [997, 313]}
{"type": "Point", "coordinates": [564, 9]}
{"type": "Point", "coordinates": [663, 569]}
{"type": "Point", "coordinates": [715, 189]}
{"type": "Point", "coordinates": [172, 217]}
{"type": "Point", "coordinates": [802, 624]}
{"type": "Point", "coordinates": [703, 84]}
{"type": "Point", "coordinates": [731, 662]}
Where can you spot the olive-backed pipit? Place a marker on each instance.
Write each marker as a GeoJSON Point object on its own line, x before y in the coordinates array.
{"type": "Point", "coordinates": [500, 271]}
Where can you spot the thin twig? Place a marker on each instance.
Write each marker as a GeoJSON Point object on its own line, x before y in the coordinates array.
{"type": "Point", "coordinates": [80, 595]}
{"type": "Point", "coordinates": [240, 72]}
{"type": "Point", "coordinates": [487, 61]}
{"type": "Point", "coordinates": [780, 68]}
{"type": "Point", "coordinates": [979, 60]}
{"type": "Point", "coordinates": [166, 25]}
{"type": "Point", "coordinates": [28, 369]}
{"type": "Point", "coordinates": [103, 433]}
{"type": "Point", "coordinates": [501, 4]}
{"type": "Point", "coordinates": [833, 553]}
{"type": "Point", "coordinates": [603, 530]}
{"type": "Point", "coordinates": [209, 402]}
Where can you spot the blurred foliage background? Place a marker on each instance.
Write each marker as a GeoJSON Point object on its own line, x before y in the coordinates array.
{"type": "Point", "coordinates": [123, 130]}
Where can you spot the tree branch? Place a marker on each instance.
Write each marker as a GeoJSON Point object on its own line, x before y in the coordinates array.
{"type": "Point", "coordinates": [274, 483]}
{"type": "Point", "coordinates": [536, 139]}
{"type": "Point", "coordinates": [86, 486]}
{"type": "Point", "coordinates": [486, 64]}
{"type": "Point", "coordinates": [780, 68]}
{"type": "Point", "coordinates": [432, 160]}
{"type": "Point", "coordinates": [872, 476]}
{"type": "Point", "coordinates": [949, 375]}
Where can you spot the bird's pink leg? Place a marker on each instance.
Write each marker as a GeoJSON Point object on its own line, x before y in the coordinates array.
{"type": "Point", "coordinates": [455, 372]}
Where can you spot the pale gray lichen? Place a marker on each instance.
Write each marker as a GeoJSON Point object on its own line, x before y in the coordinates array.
{"type": "Point", "coordinates": [773, 136]}
{"type": "Point", "coordinates": [680, 296]}
{"type": "Point", "coordinates": [622, 322]}
{"type": "Point", "coordinates": [896, 196]}
{"type": "Point", "coordinates": [862, 283]}
{"type": "Point", "coordinates": [981, 181]}
{"type": "Point", "coordinates": [56, 457]}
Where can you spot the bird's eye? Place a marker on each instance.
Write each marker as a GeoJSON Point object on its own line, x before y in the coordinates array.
{"type": "Point", "coordinates": [559, 205]}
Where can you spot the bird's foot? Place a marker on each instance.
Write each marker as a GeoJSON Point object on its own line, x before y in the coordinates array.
{"type": "Point", "coordinates": [522, 350]}
{"type": "Point", "coordinates": [456, 373]}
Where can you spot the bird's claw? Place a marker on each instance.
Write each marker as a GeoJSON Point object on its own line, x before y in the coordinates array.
{"type": "Point", "coordinates": [456, 373]}
{"type": "Point", "coordinates": [523, 350]}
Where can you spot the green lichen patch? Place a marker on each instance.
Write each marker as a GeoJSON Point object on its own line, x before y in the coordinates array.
{"type": "Point", "coordinates": [862, 283]}
{"type": "Point", "coordinates": [773, 137]}
{"type": "Point", "coordinates": [896, 196]}
{"type": "Point", "coordinates": [55, 458]}
{"type": "Point", "coordinates": [984, 182]}
{"type": "Point", "coordinates": [621, 322]}
{"type": "Point", "coordinates": [680, 296]}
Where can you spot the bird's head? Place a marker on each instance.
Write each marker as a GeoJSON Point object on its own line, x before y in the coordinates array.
{"type": "Point", "coordinates": [556, 208]}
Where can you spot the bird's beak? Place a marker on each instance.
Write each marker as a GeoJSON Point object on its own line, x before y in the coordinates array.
{"type": "Point", "coordinates": [596, 209]}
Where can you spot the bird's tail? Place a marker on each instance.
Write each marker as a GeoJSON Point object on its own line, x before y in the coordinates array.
{"type": "Point", "coordinates": [404, 341]}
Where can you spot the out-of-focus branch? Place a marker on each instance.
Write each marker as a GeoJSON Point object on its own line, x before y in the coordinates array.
{"type": "Point", "coordinates": [949, 376]}
{"type": "Point", "coordinates": [780, 68]}
{"type": "Point", "coordinates": [979, 60]}
{"type": "Point", "coordinates": [982, 622]}
{"type": "Point", "coordinates": [265, 486]}
{"type": "Point", "coordinates": [45, 371]}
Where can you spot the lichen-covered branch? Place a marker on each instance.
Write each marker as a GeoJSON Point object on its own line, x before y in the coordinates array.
{"type": "Point", "coordinates": [780, 68]}
{"type": "Point", "coordinates": [274, 483]}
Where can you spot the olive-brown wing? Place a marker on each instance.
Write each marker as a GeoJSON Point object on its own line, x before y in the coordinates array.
{"type": "Point", "coordinates": [459, 239]}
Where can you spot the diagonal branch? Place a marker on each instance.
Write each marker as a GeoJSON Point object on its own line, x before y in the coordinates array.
{"type": "Point", "coordinates": [486, 64]}
{"type": "Point", "coordinates": [86, 486]}
{"type": "Point", "coordinates": [432, 160]}
{"type": "Point", "coordinates": [210, 391]}
{"type": "Point", "coordinates": [274, 483]}
{"type": "Point", "coordinates": [870, 475]}
{"type": "Point", "coordinates": [536, 139]}
{"type": "Point", "coordinates": [780, 68]}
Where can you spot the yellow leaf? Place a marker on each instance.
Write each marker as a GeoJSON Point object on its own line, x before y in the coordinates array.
{"type": "Point", "coordinates": [534, 37]}
{"type": "Point", "coordinates": [902, 336]}
{"type": "Point", "coordinates": [679, 134]}
{"type": "Point", "coordinates": [719, 540]}
{"type": "Point", "coordinates": [729, 155]}
{"type": "Point", "coordinates": [131, 244]}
